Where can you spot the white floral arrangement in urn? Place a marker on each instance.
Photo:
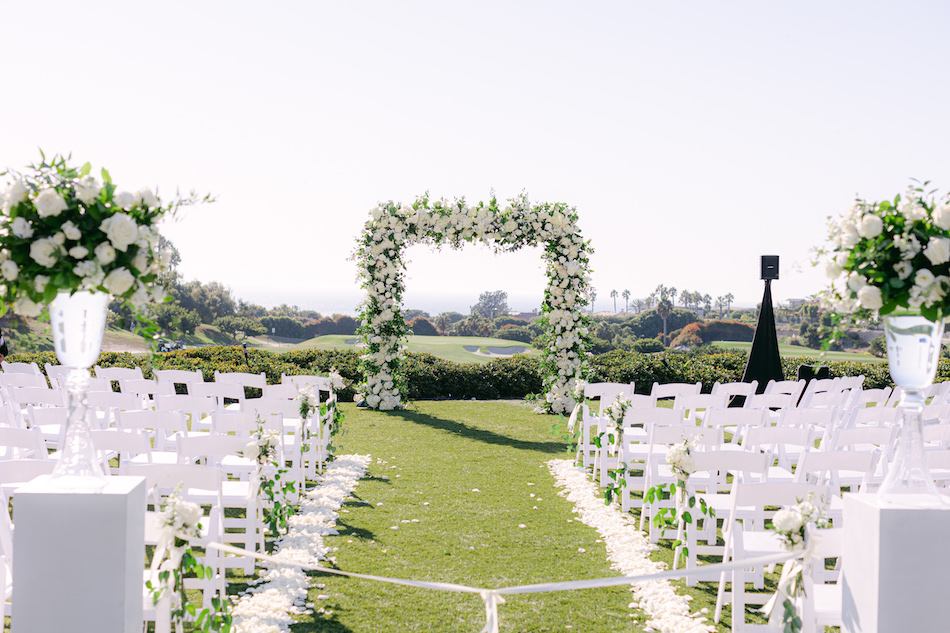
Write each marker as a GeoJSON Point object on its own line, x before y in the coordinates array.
{"type": "Point", "coordinates": [891, 255]}
{"type": "Point", "coordinates": [62, 229]}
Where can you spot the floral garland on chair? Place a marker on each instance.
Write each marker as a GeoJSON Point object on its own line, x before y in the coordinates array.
{"type": "Point", "coordinates": [615, 415]}
{"type": "Point", "coordinates": [328, 410]}
{"type": "Point", "coordinates": [393, 228]}
{"type": "Point", "coordinates": [680, 461]}
{"type": "Point", "coordinates": [173, 560]}
{"type": "Point", "coordinates": [262, 449]}
{"type": "Point", "coordinates": [792, 526]}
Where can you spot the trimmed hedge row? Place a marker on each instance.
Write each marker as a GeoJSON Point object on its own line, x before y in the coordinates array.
{"type": "Point", "coordinates": [430, 377]}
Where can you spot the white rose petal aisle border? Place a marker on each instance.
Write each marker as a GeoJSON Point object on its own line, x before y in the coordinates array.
{"type": "Point", "coordinates": [269, 606]}
{"type": "Point", "coordinates": [629, 552]}
{"type": "Point", "coordinates": [392, 228]}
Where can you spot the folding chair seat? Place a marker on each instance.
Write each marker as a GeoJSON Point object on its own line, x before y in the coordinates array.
{"type": "Point", "coordinates": [246, 380]}
{"type": "Point", "coordinates": [115, 374]}
{"type": "Point", "coordinates": [732, 389]}
{"type": "Point", "coordinates": [219, 391]}
{"type": "Point", "coordinates": [127, 447]}
{"type": "Point", "coordinates": [783, 443]}
{"type": "Point", "coordinates": [837, 469]}
{"type": "Point", "coordinates": [776, 401]}
{"type": "Point", "coordinates": [197, 408]}
{"type": "Point", "coordinates": [793, 388]}
{"type": "Point", "coordinates": [735, 421]}
{"type": "Point", "coordinates": [176, 377]}
{"type": "Point", "coordinates": [49, 422]}
{"type": "Point", "coordinates": [103, 404]}
{"type": "Point", "coordinates": [16, 472]}
{"type": "Point", "coordinates": [16, 443]}
{"type": "Point", "coordinates": [20, 368]}
{"type": "Point", "coordinates": [696, 406]}
{"type": "Point", "coordinates": [861, 398]}
{"type": "Point", "coordinates": [672, 389]}
{"type": "Point", "coordinates": [935, 414]}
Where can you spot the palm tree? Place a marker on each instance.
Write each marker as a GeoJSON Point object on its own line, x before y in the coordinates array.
{"type": "Point", "coordinates": [729, 299]}
{"type": "Point", "coordinates": [672, 296]}
{"type": "Point", "coordinates": [593, 298]}
{"type": "Point", "coordinates": [663, 308]}
{"type": "Point", "coordinates": [626, 301]}
{"type": "Point", "coordinates": [639, 305]}
{"type": "Point", "coordinates": [720, 303]}
{"type": "Point", "coordinates": [648, 302]}
{"type": "Point", "coordinates": [613, 295]}
{"type": "Point", "coordinates": [707, 302]}
{"type": "Point", "coordinates": [443, 322]}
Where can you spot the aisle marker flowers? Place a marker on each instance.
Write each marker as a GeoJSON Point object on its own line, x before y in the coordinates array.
{"type": "Point", "coordinates": [629, 552]}
{"type": "Point", "coordinates": [270, 605]}
{"type": "Point", "coordinates": [393, 228]}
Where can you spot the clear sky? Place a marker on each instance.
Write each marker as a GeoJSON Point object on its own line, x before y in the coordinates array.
{"type": "Point", "coordinates": [692, 137]}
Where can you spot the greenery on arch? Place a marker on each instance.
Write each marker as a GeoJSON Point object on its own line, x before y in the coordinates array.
{"type": "Point", "coordinates": [392, 228]}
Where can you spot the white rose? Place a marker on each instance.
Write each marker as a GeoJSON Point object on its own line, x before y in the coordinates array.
{"type": "Point", "coordinates": [49, 202]}
{"type": "Point", "coordinates": [140, 261]}
{"type": "Point", "coordinates": [938, 250]}
{"type": "Point", "coordinates": [87, 190]}
{"type": "Point", "coordinates": [22, 228]}
{"type": "Point", "coordinates": [39, 282]}
{"type": "Point", "coordinates": [43, 251]}
{"type": "Point", "coordinates": [856, 282]}
{"type": "Point", "coordinates": [121, 230]}
{"type": "Point", "coordinates": [15, 194]}
{"type": "Point", "coordinates": [78, 252]}
{"type": "Point", "coordinates": [9, 270]}
{"type": "Point", "coordinates": [251, 451]}
{"type": "Point", "coordinates": [871, 225]}
{"type": "Point", "coordinates": [119, 281]}
{"type": "Point", "coordinates": [870, 297]}
{"type": "Point", "coordinates": [923, 278]}
{"type": "Point", "coordinates": [189, 512]}
{"type": "Point", "coordinates": [59, 237]}
{"type": "Point", "coordinates": [903, 269]}
{"type": "Point", "coordinates": [124, 199]}
{"type": "Point", "coordinates": [25, 307]}
{"type": "Point", "coordinates": [105, 254]}
{"type": "Point", "coordinates": [148, 198]}
{"type": "Point", "coordinates": [941, 216]}
{"type": "Point", "coordinates": [71, 230]}
{"type": "Point", "coordinates": [86, 269]}
{"type": "Point", "coordinates": [787, 521]}
{"type": "Point", "coordinates": [832, 269]}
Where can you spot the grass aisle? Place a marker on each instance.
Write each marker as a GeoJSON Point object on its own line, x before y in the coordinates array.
{"type": "Point", "coordinates": [417, 515]}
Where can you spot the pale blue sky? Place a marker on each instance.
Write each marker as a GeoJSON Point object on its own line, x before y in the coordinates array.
{"type": "Point", "coordinates": [691, 136]}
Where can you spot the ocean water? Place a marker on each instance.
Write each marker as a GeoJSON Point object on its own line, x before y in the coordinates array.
{"type": "Point", "coordinates": [347, 302]}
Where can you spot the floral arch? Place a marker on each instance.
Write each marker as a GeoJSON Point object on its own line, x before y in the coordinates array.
{"type": "Point", "coordinates": [392, 228]}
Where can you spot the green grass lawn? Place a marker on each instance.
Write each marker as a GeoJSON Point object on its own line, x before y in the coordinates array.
{"type": "Point", "coordinates": [796, 351]}
{"type": "Point", "coordinates": [447, 347]}
{"type": "Point", "coordinates": [427, 465]}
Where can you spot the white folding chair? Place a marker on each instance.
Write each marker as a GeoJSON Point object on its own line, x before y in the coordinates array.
{"type": "Point", "coordinates": [673, 389]}
{"type": "Point", "coordinates": [176, 377]}
{"type": "Point", "coordinates": [20, 368]}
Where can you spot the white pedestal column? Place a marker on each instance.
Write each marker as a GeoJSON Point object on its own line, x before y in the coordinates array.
{"type": "Point", "coordinates": [896, 557]}
{"type": "Point", "coordinates": [78, 559]}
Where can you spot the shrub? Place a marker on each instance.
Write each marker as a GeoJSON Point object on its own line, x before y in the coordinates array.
{"type": "Point", "coordinates": [519, 333]}
{"type": "Point", "coordinates": [423, 327]}
{"type": "Point", "coordinates": [710, 331]}
{"type": "Point", "coordinates": [283, 326]}
{"type": "Point", "coordinates": [688, 336]}
{"type": "Point", "coordinates": [647, 345]}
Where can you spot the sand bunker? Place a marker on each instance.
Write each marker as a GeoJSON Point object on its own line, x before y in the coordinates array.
{"type": "Point", "coordinates": [496, 352]}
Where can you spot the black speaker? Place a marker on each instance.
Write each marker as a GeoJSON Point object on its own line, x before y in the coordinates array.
{"type": "Point", "coordinates": [770, 267]}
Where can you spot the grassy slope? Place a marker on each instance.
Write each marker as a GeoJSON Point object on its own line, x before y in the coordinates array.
{"type": "Point", "coordinates": [447, 347]}
{"type": "Point", "coordinates": [796, 351]}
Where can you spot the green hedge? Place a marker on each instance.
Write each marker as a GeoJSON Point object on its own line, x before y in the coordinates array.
{"type": "Point", "coordinates": [430, 377]}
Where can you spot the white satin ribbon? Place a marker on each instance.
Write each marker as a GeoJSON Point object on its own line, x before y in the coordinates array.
{"type": "Point", "coordinates": [493, 597]}
{"type": "Point", "coordinates": [571, 421]}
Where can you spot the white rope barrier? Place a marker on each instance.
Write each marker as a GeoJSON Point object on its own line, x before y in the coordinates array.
{"type": "Point", "coordinates": [493, 597]}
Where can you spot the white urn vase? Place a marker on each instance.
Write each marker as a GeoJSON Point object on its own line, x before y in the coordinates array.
{"type": "Point", "coordinates": [78, 321]}
{"type": "Point", "coordinates": [913, 350]}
